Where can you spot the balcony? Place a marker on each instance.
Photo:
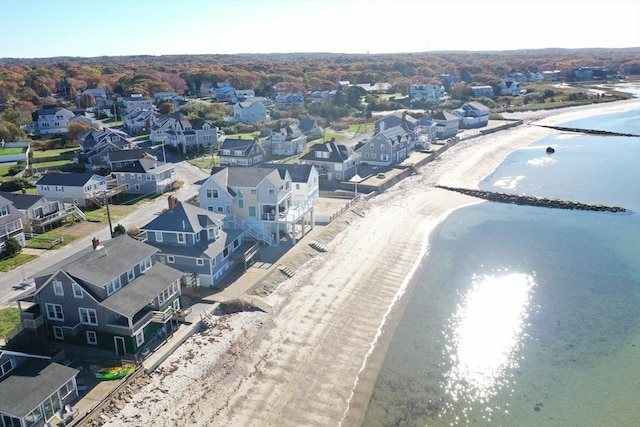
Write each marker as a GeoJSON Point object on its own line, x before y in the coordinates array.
{"type": "Point", "coordinates": [163, 316]}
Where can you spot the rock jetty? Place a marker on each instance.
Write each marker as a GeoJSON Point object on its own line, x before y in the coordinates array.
{"type": "Point", "coordinates": [590, 131]}
{"type": "Point", "coordinates": [515, 199]}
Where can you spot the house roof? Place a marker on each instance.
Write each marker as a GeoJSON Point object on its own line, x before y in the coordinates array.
{"type": "Point", "coordinates": [136, 295]}
{"type": "Point", "coordinates": [20, 201]}
{"type": "Point", "coordinates": [307, 124]}
{"type": "Point", "coordinates": [337, 153]}
{"type": "Point", "coordinates": [202, 249]}
{"type": "Point", "coordinates": [475, 105]}
{"type": "Point", "coordinates": [443, 115]}
{"type": "Point", "coordinates": [250, 177]}
{"type": "Point", "coordinates": [68, 179]}
{"type": "Point", "coordinates": [99, 266]}
{"type": "Point", "coordinates": [133, 154]}
{"type": "Point", "coordinates": [145, 165]}
{"type": "Point", "coordinates": [185, 217]}
{"type": "Point", "coordinates": [236, 144]}
{"type": "Point", "coordinates": [30, 384]}
{"type": "Point", "coordinates": [298, 172]}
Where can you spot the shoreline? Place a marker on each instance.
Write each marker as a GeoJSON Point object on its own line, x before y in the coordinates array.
{"type": "Point", "coordinates": [298, 364]}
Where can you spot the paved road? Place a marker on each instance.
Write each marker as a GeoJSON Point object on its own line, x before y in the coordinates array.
{"type": "Point", "coordinates": [17, 282]}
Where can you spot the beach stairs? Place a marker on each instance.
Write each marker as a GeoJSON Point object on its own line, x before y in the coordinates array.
{"type": "Point", "coordinates": [358, 212]}
{"type": "Point", "coordinates": [318, 246]}
{"type": "Point", "coordinates": [207, 320]}
{"type": "Point", "coordinates": [286, 271]}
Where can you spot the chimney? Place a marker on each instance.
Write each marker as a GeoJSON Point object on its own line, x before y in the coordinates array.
{"type": "Point", "coordinates": [96, 243]}
{"type": "Point", "coordinates": [381, 126]}
{"type": "Point", "coordinates": [173, 201]}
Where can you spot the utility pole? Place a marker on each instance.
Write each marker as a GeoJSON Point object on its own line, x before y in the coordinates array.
{"type": "Point", "coordinates": [106, 202]}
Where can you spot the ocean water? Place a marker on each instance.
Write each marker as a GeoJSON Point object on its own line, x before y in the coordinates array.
{"type": "Point", "coordinates": [527, 316]}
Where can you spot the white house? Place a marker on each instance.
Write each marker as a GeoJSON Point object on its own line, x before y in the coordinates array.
{"type": "Point", "coordinates": [447, 124]}
{"type": "Point", "coordinates": [472, 115]}
{"type": "Point", "coordinates": [134, 101]}
{"type": "Point", "coordinates": [51, 120]}
{"type": "Point", "coordinates": [427, 91]}
{"type": "Point", "coordinates": [76, 188]}
{"type": "Point", "coordinates": [251, 110]}
{"type": "Point", "coordinates": [510, 88]}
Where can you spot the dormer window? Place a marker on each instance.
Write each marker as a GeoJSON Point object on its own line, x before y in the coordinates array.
{"type": "Point", "coordinates": [6, 367]}
{"type": "Point", "coordinates": [4, 210]}
{"type": "Point", "coordinates": [113, 286]}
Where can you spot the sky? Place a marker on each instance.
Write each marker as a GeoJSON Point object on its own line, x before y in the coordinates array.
{"type": "Point", "coordinates": [89, 28]}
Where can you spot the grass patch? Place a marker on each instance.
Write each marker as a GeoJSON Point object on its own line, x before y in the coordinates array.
{"type": "Point", "coordinates": [4, 170]}
{"type": "Point", "coordinates": [45, 240]}
{"type": "Point", "coordinates": [53, 153]}
{"type": "Point", "coordinates": [11, 151]}
{"type": "Point", "coordinates": [205, 162]}
{"type": "Point", "coordinates": [337, 136]}
{"type": "Point", "coordinates": [116, 212]}
{"type": "Point", "coordinates": [9, 320]}
{"type": "Point", "coordinates": [15, 261]}
{"type": "Point", "coordinates": [248, 136]}
{"type": "Point", "coordinates": [361, 127]}
{"type": "Point", "coordinates": [52, 164]}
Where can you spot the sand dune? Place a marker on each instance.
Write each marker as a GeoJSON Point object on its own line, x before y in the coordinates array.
{"type": "Point", "coordinates": [313, 360]}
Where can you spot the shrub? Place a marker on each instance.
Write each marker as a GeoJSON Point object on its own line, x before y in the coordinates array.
{"type": "Point", "coordinates": [11, 248]}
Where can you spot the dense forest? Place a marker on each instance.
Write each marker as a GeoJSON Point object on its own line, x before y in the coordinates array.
{"type": "Point", "coordinates": [27, 84]}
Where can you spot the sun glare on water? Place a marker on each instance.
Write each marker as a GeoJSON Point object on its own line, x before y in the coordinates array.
{"type": "Point", "coordinates": [484, 335]}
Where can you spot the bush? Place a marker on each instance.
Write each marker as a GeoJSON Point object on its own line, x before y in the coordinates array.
{"type": "Point", "coordinates": [14, 184]}
{"type": "Point", "coordinates": [11, 248]}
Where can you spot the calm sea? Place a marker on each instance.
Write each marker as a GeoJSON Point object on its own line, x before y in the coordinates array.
{"type": "Point", "coordinates": [529, 316]}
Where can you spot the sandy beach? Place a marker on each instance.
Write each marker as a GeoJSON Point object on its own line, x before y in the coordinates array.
{"type": "Point", "coordinates": [313, 360]}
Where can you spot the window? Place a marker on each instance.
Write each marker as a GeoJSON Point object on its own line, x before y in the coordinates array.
{"type": "Point", "coordinates": [139, 177]}
{"type": "Point", "coordinates": [212, 194]}
{"type": "Point", "coordinates": [158, 236]}
{"type": "Point", "coordinates": [123, 176]}
{"type": "Point", "coordinates": [137, 186]}
{"type": "Point", "coordinates": [131, 274]}
{"type": "Point", "coordinates": [199, 261]}
{"type": "Point", "coordinates": [58, 333]}
{"type": "Point", "coordinates": [236, 243]}
{"type": "Point", "coordinates": [145, 265]}
{"type": "Point", "coordinates": [171, 259]}
{"type": "Point", "coordinates": [241, 203]}
{"type": "Point", "coordinates": [77, 290]}
{"type": "Point", "coordinates": [6, 367]}
{"type": "Point", "coordinates": [180, 237]}
{"type": "Point", "coordinates": [220, 209]}
{"type": "Point", "coordinates": [140, 338]}
{"type": "Point", "coordinates": [297, 186]}
{"type": "Point", "coordinates": [88, 316]}
{"type": "Point", "coordinates": [252, 211]}
{"type": "Point", "coordinates": [34, 416]}
{"type": "Point", "coordinates": [272, 191]}
{"type": "Point", "coordinates": [66, 389]}
{"type": "Point", "coordinates": [4, 210]}
{"type": "Point", "coordinates": [54, 312]}
{"type": "Point", "coordinates": [254, 191]}
{"type": "Point", "coordinates": [211, 233]}
{"type": "Point", "coordinates": [197, 237]}
{"type": "Point", "coordinates": [113, 286]}
{"type": "Point", "coordinates": [57, 288]}
{"type": "Point", "coordinates": [92, 338]}
{"type": "Point", "coordinates": [225, 253]}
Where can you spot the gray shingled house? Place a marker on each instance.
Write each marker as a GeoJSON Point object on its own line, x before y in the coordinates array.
{"type": "Point", "coordinates": [192, 240]}
{"type": "Point", "coordinates": [110, 296]}
{"type": "Point", "coordinates": [34, 390]}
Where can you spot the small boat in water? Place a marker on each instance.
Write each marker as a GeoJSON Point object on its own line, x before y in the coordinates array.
{"type": "Point", "coordinates": [550, 150]}
{"type": "Point", "coordinates": [115, 372]}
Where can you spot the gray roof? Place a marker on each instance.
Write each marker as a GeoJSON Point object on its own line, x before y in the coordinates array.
{"type": "Point", "coordinates": [136, 295]}
{"type": "Point", "coordinates": [22, 201]}
{"type": "Point", "coordinates": [237, 144]}
{"type": "Point", "coordinates": [248, 177]}
{"type": "Point", "coordinates": [298, 172]}
{"type": "Point", "coordinates": [30, 384]}
{"type": "Point", "coordinates": [69, 179]}
{"type": "Point", "coordinates": [99, 266]}
{"type": "Point", "coordinates": [337, 153]}
{"type": "Point", "coordinates": [145, 165]}
{"type": "Point", "coordinates": [185, 217]}
{"type": "Point", "coordinates": [444, 115]}
{"type": "Point", "coordinates": [133, 154]}
{"type": "Point", "coordinates": [14, 213]}
{"type": "Point", "coordinates": [202, 249]}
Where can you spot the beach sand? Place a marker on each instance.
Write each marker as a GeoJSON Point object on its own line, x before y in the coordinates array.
{"type": "Point", "coordinates": [299, 365]}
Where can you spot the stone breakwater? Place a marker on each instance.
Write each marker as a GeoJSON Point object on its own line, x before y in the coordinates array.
{"type": "Point", "coordinates": [590, 131]}
{"type": "Point", "coordinates": [515, 199]}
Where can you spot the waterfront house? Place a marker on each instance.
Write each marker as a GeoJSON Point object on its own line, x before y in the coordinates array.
{"type": "Point", "coordinates": [192, 239]}
{"type": "Point", "coordinates": [256, 199]}
{"type": "Point", "coordinates": [447, 124]}
{"type": "Point", "coordinates": [109, 296]}
{"type": "Point", "coordinates": [10, 223]}
{"type": "Point", "coordinates": [305, 189]}
{"type": "Point", "coordinates": [51, 120]}
{"type": "Point", "coordinates": [241, 152]}
{"type": "Point", "coordinates": [482, 91]}
{"type": "Point", "coordinates": [146, 176]}
{"type": "Point", "coordinates": [472, 115]}
{"type": "Point", "coordinates": [34, 390]}
{"type": "Point", "coordinates": [510, 88]}
{"type": "Point", "coordinates": [77, 188]}
{"type": "Point", "coordinates": [427, 91]}
{"type": "Point", "coordinates": [386, 147]}
{"type": "Point", "coordinates": [335, 162]}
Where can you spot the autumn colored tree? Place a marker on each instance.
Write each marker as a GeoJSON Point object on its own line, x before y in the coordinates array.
{"type": "Point", "coordinates": [75, 129]}
{"type": "Point", "coordinates": [87, 100]}
{"type": "Point", "coordinates": [166, 108]}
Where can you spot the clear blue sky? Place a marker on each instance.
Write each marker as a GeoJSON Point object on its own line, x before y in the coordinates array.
{"type": "Point", "coordinates": [47, 28]}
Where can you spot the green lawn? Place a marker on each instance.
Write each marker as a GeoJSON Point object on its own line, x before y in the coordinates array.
{"type": "Point", "coordinates": [4, 170]}
{"type": "Point", "coordinates": [205, 162]}
{"type": "Point", "coordinates": [45, 240]}
{"type": "Point", "coordinates": [51, 164]}
{"type": "Point", "coordinates": [53, 153]}
{"type": "Point", "coordinates": [10, 151]}
{"type": "Point", "coordinates": [361, 127]}
{"type": "Point", "coordinates": [338, 137]}
{"type": "Point", "coordinates": [9, 319]}
{"type": "Point", "coordinates": [8, 264]}
{"type": "Point", "coordinates": [249, 136]}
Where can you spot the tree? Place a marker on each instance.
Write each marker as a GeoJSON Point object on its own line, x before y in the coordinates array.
{"type": "Point", "coordinates": [166, 108]}
{"type": "Point", "coordinates": [74, 130]}
{"type": "Point", "coordinates": [87, 100]}
{"type": "Point", "coordinates": [10, 131]}
{"type": "Point", "coordinates": [12, 247]}
{"type": "Point", "coordinates": [119, 230]}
